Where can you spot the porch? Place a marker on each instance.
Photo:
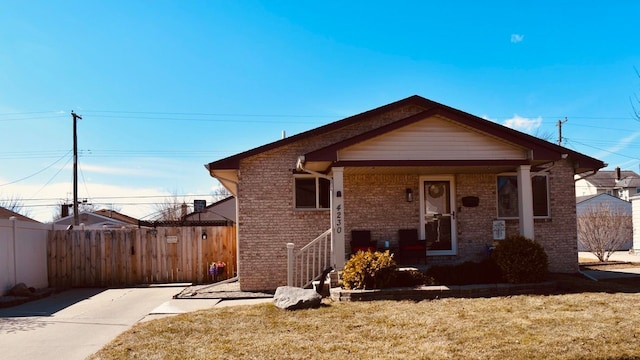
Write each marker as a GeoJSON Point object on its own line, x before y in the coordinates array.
{"type": "Point", "coordinates": [456, 212]}
{"type": "Point", "coordinates": [425, 214]}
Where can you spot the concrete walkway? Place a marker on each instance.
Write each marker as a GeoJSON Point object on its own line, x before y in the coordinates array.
{"type": "Point", "coordinates": [76, 323]}
{"type": "Point", "coordinates": [611, 272]}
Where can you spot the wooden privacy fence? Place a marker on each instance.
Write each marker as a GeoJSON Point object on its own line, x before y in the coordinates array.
{"type": "Point", "coordinates": [123, 257]}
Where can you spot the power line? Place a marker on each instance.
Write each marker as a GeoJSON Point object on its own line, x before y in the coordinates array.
{"type": "Point", "coordinates": [37, 172]}
{"type": "Point", "coordinates": [53, 177]}
{"type": "Point", "coordinates": [605, 150]}
{"type": "Point", "coordinates": [159, 115]}
{"type": "Point", "coordinates": [204, 114]}
{"type": "Point", "coordinates": [84, 182]}
{"type": "Point", "coordinates": [130, 197]}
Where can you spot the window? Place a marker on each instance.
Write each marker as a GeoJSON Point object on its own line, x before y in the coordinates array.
{"type": "Point", "coordinates": [311, 192]}
{"type": "Point", "coordinates": [508, 196]}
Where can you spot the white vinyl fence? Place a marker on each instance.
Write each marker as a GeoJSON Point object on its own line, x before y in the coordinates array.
{"type": "Point", "coordinates": [23, 254]}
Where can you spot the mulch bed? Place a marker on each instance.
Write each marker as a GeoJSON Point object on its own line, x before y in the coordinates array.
{"type": "Point", "coordinates": [8, 300]}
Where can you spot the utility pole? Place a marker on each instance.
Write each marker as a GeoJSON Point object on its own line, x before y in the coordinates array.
{"type": "Point", "coordinates": [75, 116]}
{"type": "Point", "coordinates": [560, 122]}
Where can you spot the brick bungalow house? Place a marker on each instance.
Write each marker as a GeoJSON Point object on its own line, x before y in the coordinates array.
{"type": "Point", "coordinates": [411, 164]}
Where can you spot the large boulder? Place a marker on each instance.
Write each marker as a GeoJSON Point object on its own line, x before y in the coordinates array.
{"type": "Point", "coordinates": [295, 298]}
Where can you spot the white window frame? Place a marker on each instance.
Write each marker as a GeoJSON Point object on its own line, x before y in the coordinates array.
{"type": "Point", "coordinates": [548, 194]}
{"type": "Point", "coordinates": [452, 204]}
{"type": "Point", "coordinates": [317, 193]}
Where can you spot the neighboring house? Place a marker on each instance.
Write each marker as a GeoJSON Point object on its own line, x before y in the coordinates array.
{"type": "Point", "coordinates": [7, 214]}
{"type": "Point", "coordinates": [619, 183]}
{"type": "Point", "coordinates": [584, 203]}
{"type": "Point", "coordinates": [411, 164]}
{"type": "Point", "coordinates": [101, 219]}
{"type": "Point", "coordinates": [223, 210]}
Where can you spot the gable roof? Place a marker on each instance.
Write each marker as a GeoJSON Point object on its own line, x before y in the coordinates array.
{"type": "Point", "coordinates": [222, 210]}
{"type": "Point", "coordinates": [97, 219]}
{"type": "Point", "coordinates": [541, 149]}
{"type": "Point", "coordinates": [603, 199]}
{"type": "Point", "coordinates": [607, 179]}
{"type": "Point", "coordinates": [117, 216]}
{"type": "Point", "coordinates": [233, 162]}
{"type": "Point", "coordinates": [6, 214]}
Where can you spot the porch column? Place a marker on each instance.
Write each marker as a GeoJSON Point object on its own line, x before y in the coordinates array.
{"type": "Point", "coordinates": [525, 201]}
{"type": "Point", "coordinates": [337, 219]}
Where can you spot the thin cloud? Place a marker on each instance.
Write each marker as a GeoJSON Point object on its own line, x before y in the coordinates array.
{"type": "Point", "coordinates": [137, 202]}
{"type": "Point", "coordinates": [108, 170]}
{"type": "Point", "coordinates": [523, 124]}
{"type": "Point", "coordinates": [516, 38]}
{"type": "Point", "coordinates": [623, 143]}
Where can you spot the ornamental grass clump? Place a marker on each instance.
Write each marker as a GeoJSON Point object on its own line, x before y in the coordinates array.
{"type": "Point", "coordinates": [369, 270]}
{"type": "Point", "coordinates": [521, 260]}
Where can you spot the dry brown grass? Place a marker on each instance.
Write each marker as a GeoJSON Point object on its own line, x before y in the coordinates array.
{"type": "Point", "coordinates": [587, 321]}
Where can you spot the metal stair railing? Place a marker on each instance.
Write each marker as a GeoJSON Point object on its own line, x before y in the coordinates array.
{"type": "Point", "coordinates": [307, 264]}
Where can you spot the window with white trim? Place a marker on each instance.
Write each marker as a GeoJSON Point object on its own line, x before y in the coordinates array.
{"type": "Point", "coordinates": [311, 192]}
{"type": "Point", "coordinates": [508, 196]}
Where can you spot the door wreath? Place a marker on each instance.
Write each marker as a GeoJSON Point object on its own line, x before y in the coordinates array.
{"type": "Point", "coordinates": [436, 190]}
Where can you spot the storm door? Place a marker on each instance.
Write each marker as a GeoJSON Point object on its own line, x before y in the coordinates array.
{"type": "Point", "coordinates": [437, 214]}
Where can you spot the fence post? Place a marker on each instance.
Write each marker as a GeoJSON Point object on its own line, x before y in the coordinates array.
{"type": "Point", "coordinates": [290, 264]}
{"type": "Point", "coordinates": [14, 223]}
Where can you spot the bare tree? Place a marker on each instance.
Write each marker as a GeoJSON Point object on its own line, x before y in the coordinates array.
{"type": "Point", "coordinates": [172, 208]}
{"type": "Point", "coordinates": [220, 193]}
{"type": "Point", "coordinates": [546, 135]}
{"type": "Point", "coordinates": [15, 204]}
{"type": "Point", "coordinates": [603, 229]}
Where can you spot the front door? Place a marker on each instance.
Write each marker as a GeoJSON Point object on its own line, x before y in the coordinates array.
{"type": "Point", "coordinates": [437, 214]}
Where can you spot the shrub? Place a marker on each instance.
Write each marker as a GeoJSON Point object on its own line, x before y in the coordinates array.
{"type": "Point", "coordinates": [521, 260]}
{"type": "Point", "coordinates": [484, 272]}
{"type": "Point", "coordinates": [369, 270]}
{"type": "Point", "coordinates": [411, 278]}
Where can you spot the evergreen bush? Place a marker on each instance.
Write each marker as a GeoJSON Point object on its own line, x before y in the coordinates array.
{"type": "Point", "coordinates": [521, 260]}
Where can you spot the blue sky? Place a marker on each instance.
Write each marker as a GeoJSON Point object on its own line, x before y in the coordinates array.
{"type": "Point", "coordinates": [166, 86]}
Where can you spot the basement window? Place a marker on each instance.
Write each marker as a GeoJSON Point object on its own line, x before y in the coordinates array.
{"type": "Point", "coordinates": [311, 192]}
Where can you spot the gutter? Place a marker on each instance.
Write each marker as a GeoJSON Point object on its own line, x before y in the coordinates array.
{"type": "Point", "coordinates": [593, 172]}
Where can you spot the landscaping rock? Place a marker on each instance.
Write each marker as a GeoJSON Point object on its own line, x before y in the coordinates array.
{"type": "Point", "coordinates": [21, 289]}
{"type": "Point", "coordinates": [294, 298]}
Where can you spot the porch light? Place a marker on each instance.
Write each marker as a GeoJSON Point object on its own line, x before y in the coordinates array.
{"type": "Point", "coordinates": [204, 234]}
{"type": "Point", "coordinates": [409, 192]}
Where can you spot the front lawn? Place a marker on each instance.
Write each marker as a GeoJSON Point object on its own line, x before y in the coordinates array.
{"type": "Point", "coordinates": [588, 320]}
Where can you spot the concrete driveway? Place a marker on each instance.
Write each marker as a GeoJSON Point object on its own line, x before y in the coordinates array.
{"type": "Point", "coordinates": [76, 323]}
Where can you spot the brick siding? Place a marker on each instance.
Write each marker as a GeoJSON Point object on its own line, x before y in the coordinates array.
{"type": "Point", "coordinates": [268, 221]}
